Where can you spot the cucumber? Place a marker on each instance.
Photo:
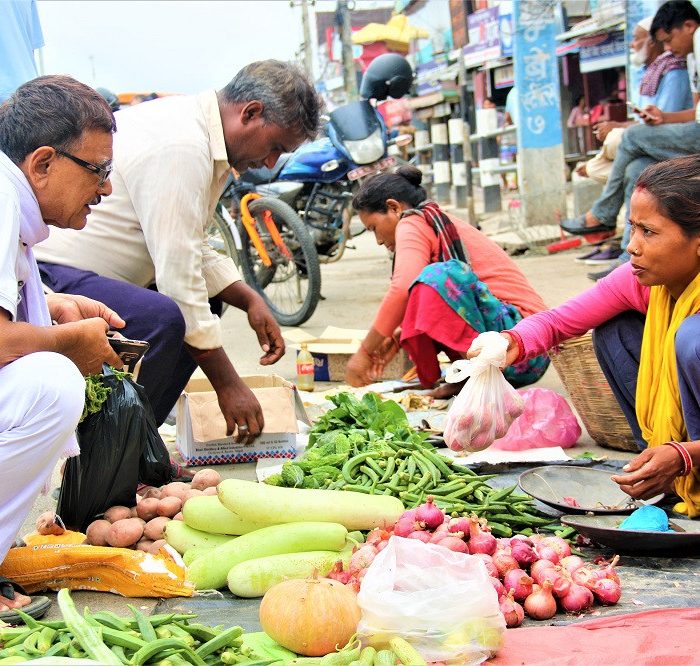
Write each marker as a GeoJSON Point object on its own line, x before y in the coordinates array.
{"type": "Point", "coordinates": [253, 578]}
{"type": "Point", "coordinates": [182, 537]}
{"type": "Point", "coordinates": [210, 569]}
{"type": "Point", "coordinates": [273, 504]}
{"type": "Point", "coordinates": [207, 514]}
{"type": "Point", "coordinates": [191, 554]}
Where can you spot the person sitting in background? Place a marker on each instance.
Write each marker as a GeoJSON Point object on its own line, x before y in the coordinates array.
{"type": "Point", "coordinates": [646, 321]}
{"type": "Point", "coordinates": [449, 283]}
{"type": "Point", "coordinates": [578, 119]}
{"type": "Point", "coordinates": [664, 135]}
{"type": "Point", "coordinates": [55, 161]}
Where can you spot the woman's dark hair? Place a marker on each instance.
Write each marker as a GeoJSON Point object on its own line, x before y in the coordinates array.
{"type": "Point", "coordinates": [402, 185]}
{"type": "Point", "coordinates": [673, 14]}
{"type": "Point", "coordinates": [675, 184]}
{"type": "Point", "coordinates": [51, 111]}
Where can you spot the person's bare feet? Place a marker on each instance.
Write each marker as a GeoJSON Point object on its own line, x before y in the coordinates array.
{"type": "Point", "coordinates": [446, 390]}
{"type": "Point", "coordinates": [19, 601]}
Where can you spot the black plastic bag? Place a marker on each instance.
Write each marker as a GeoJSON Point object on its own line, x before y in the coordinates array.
{"type": "Point", "coordinates": [119, 448]}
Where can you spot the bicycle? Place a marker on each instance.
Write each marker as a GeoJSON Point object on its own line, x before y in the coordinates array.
{"type": "Point", "coordinates": [274, 250]}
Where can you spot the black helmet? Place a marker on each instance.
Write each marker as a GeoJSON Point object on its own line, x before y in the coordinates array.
{"type": "Point", "coordinates": [111, 98]}
{"type": "Point", "coordinates": [388, 75]}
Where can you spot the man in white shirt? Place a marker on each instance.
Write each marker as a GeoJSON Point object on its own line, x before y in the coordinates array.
{"type": "Point", "coordinates": [666, 134]}
{"type": "Point", "coordinates": [172, 157]}
{"type": "Point", "coordinates": [55, 159]}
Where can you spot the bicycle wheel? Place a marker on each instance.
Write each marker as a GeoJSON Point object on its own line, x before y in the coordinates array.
{"type": "Point", "coordinates": [291, 287]}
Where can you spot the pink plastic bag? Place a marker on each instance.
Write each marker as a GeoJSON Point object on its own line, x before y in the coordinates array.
{"type": "Point", "coordinates": [547, 420]}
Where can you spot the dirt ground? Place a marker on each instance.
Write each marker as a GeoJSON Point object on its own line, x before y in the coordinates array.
{"type": "Point", "coordinates": [352, 289]}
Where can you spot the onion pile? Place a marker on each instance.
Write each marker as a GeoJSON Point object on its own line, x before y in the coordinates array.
{"type": "Point", "coordinates": [534, 576]}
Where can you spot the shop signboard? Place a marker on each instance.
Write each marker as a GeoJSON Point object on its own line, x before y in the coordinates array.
{"type": "Point", "coordinates": [503, 77]}
{"type": "Point", "coordinates": [505, 27]}
{"type": "Point", "coordinates": [536, 75]}
{"type": "Point", "coordinates": [484, 37]}
{"type": "Point", "coordinates": [428, 77]}
{"type": "Point", "coordinates": [602, 51]}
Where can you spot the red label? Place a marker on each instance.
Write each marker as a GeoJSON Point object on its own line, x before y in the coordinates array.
{"type": "Point", "coordinates": [305, 368]}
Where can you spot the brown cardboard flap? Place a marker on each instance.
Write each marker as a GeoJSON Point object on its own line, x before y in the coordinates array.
{"type": "Point", "coordinates": [208, 422]}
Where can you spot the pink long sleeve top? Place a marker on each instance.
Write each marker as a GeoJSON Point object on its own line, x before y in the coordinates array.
{"type": "Point", "coordinates": [617, 292]}
{"type": "Point", "coordinates": [417, 246]}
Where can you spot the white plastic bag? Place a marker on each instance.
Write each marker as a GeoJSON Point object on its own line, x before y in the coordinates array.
{"type": "Point", "coordinates": [440, 601]}
{"type": "Point", "coordinates": [488, 404]}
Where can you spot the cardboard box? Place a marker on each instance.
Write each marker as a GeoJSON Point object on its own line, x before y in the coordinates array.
{"type": "Point", "coordinates": [334, 347]}
{"type": "Point", "coordinates": [201, 428]}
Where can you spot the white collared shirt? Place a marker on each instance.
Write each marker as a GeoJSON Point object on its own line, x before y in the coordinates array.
{"type": "Point", "coordinates": [170, 168]}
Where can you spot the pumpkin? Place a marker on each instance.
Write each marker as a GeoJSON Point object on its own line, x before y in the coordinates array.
{"type": "Point", "coordinates": [312, 617]}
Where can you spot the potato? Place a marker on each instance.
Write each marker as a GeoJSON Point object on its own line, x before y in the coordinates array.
{"type": "Point", "coordinates": [169, 506]}
{"type": "Point", "coordinates": [174, 489]}
{"type": "Point", "coordinates": [96, 532]}
{"type": "Point", "coordinates": [134, 513]}
{"type": "Point", "coordinates": [125, 533]}
{"type": "Point", "coordinates": [115, 513]}
{"type": "Point", "coordinates": [152, 492]}
{"type": "Point", "coordinates": [154, 528]}
{"type": "Point", "coordinates": [46, 524]}
{"type": "Point", "coordinates": [209, 491]}
{"type": "Point", "coordinates": [156, 546]}
{"type": "Point", "coordinates": [178, 516]}
{"type": "Point", "coordinates": [191, 493]}
{"type": "Point", "coordinates": [144, 545]}
{"type": "Point", "coordinates": [147, 508]}
{"type": "Point", "coordinates": [205, 478]}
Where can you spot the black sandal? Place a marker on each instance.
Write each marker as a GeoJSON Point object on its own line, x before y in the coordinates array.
{"type": "Point", "coordinates": [36, 608]}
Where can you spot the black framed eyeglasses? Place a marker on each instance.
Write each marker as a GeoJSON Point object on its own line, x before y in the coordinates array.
{"type": "Point", "coordinates": [103, 172]}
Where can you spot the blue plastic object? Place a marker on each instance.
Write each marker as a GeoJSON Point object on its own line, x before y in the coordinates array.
{"type": "Point", "coordinates": [646, 518]}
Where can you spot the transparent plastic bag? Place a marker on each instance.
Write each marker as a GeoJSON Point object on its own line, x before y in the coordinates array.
{"type": "Point", "coordinates": [440, 601]}
{"type": "Point", "coordinates": [547, 420]}
{"type": "Point", "coordinates": [488, 404]}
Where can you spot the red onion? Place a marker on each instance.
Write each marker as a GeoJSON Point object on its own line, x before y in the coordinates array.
{"type": "Point", "coordinates": [440, 533]}
{"type": "Point", "coordinates": [488, 561]}
{"type": "Point", "coordinates": [608, 571]}
{"type": "Point", "coordinates": [429, 515]}
{"type": "Point", "coordinates": [522, 552]}
{"type": "Point", "coordinates": [585, 576]}
{"type": "Point", "coordinates": [571, 563]}
{"type": "Point", "coordinates": [512, 611]}
{"type": "Point", "coordinates": [562, 547]}
{"type": "Point", "coordinates": [541, 605]}
{"type": "Point", "coordinates": [578, 599]}
{"type": "Point", "coordinates": [459, 525]}
{"type": "Point", "coordinates": [453, 543]}
{"type": "Point", "coordinates": [519, 584]}
{"type": "Point", "coordinates": [381, 546]}
{"type": "Point", "coordinates": [538, 568]}
{"type": "Point", "coordinates": [503, 542]}
{"type": "Point", "coordinates": [421, 535]}
{"type": "Point", "coordinates": [498, 586]}
{"type": "Point", "coordinates": [607, 591]}
{"type": "Point", "coordinates": [480, 541]}
{"type": "Point", "coordinates": [545, 552]}
{"type": "Point", "coordinates": [404, 526]}
{"type": "Point", "coordinates": [560, 584]}
{"type": "Point", "coordinates": [363, 557]}
{"type": "Point", "coordinates": [536, 538]}
{"type": "Point", "coordinates": [521, 537]}
{"type": "Point", "coordinates": [504, 562]}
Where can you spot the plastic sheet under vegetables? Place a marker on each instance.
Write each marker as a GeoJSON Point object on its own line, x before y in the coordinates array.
{"type": "Point", "coordinates": [440, 601]}
{"type": "Point", "coordinates": [547, 420]}
{"type": "Point", "coordinates": [488, 404]}
{"type": "Point", "coordinates": [130, 573]}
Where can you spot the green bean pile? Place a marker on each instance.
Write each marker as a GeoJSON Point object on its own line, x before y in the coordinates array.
{"type": "Point", "coordinates": [368, 446]}
{"type": "Point", "coordinates": [167, 639]}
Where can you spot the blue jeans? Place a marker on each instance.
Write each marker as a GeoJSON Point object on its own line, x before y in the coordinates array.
{"type": "Point", "coordinates": [618, 344]}
{"type": "Point", "coordinates": [642, 145]}
{"type": "Point", "coordinates": [167, 366]}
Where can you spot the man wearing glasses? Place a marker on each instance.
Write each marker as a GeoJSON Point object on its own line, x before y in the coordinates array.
{"type": "Point", "coordinates": [55, 159]}
{"type": "Point", "coordinates": [147, 243]}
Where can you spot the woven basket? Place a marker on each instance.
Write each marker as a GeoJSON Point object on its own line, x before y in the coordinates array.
{"type": "Point", "coordinates": [578, 368]}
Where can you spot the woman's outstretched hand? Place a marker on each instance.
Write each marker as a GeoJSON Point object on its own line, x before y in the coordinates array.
{"type": "Point", "coordinates": [652, 472]}
{"type": "Point", "coordinates": [512, 352]}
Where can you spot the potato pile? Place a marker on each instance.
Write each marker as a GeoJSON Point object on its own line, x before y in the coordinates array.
{"type": "Point", "coordinates": [142, 526]}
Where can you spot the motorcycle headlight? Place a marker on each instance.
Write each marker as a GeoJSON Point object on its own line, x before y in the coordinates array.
{"type": "Point", "coordinates": [366, 150]}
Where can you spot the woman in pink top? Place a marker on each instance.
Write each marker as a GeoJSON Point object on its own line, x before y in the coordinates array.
{"type": "Point", "coordinates": [449, 283]}
{"type": "Point", "coordinates": [646, 316]}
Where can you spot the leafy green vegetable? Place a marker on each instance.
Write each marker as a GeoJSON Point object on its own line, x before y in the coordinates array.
{"type": "Point", "coordinates": [96, 393]}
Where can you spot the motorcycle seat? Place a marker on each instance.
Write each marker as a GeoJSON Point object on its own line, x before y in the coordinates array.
{"type": "Point", "coordinates": [264, 175]}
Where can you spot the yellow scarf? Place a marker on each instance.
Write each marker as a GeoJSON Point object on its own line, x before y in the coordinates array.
{"type": "Point", "coordinates": [658, 398]}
